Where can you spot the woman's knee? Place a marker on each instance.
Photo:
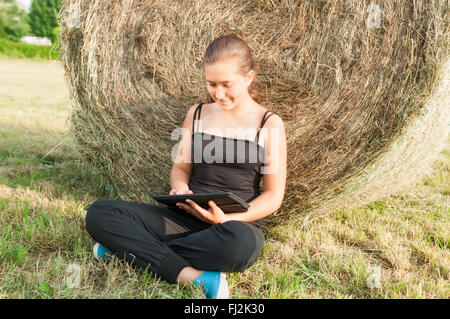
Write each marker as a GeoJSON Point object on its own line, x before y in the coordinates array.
{"type": "Point", "coordinates": [243, 245]}
{"type": "Point", "coordinates": [96, 213]}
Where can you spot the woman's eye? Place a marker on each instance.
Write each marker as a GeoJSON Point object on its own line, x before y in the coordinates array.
{"type": "Point", "coordinates": [226, 86]}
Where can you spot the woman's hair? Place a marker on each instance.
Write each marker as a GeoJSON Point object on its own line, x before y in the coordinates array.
{"type": "Point", "coordinates": [231, 46]}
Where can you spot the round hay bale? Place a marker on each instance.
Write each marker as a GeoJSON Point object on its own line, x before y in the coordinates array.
{"type": "Point", "coordinates": [362, 88]}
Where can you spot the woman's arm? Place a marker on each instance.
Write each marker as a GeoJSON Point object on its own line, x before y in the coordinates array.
{"type": "Point", "coordinates": [182, 166]}
{"type": "Point", "coordinates": [274, 178]}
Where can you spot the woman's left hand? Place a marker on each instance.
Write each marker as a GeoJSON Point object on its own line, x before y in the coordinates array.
{"type": "Point", "coordinates": [212, 215]}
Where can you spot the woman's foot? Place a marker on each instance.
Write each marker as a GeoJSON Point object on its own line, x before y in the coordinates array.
{"type": "Point", "coordinates": [215, 285]}
{"type": "Point", "coordinates": [101, 252]}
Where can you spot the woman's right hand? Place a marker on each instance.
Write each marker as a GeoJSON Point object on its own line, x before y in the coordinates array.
{"type": "Point", "coordinates": [180, 191]}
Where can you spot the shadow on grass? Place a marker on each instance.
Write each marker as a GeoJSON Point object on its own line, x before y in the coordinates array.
{"type": "Point", "coordinates": [57, 171]}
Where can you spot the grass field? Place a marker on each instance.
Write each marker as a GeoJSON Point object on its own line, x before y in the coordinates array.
{"type": "Point", "coordinates": [395, 248]}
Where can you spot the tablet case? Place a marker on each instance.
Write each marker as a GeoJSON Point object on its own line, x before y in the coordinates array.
{"type": "Point", "coordinates": [227, 201]}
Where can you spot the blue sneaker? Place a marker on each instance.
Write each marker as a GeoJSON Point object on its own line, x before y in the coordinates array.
{"type": "Point", "coordinates": [215, 285]}
{"type": "Point", "coordinates": [101, 252]}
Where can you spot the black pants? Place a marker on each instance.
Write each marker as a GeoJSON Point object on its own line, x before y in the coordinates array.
{"type": "Point", "coordinates": [165, 240]}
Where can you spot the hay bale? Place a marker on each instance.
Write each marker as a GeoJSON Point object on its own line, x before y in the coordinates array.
{"type": "Point", "coordinates": [363, 89]}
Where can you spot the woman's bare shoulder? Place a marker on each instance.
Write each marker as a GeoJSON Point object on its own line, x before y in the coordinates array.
{"type": "Point", "coordinates": [193, 108]}
{"type": "Point", "coordinates": [190, 116]}
{"type": "Point", "coordinates": [190, 113]}
{"type": "Point", "coordinates": [273, 119]}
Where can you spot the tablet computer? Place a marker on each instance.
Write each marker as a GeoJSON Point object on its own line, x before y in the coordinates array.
{"type": "Point", "coordinates": [227, 201]}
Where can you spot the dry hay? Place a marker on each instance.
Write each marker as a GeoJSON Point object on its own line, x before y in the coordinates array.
{"type": "Point", "coordinates": [364, 99]}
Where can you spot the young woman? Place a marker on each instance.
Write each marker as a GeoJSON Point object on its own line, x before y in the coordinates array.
{"type": "Point", "coordinates": [190, 244]}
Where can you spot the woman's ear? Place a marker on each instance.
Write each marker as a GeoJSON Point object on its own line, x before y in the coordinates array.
{"type": "Point", "coordinates": [250, 76]}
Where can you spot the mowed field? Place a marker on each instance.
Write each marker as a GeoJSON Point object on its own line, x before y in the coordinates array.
{"type": "Point", "coordinates": [394, 248]}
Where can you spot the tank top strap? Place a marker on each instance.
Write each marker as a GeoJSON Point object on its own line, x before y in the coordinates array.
{"type": "Point", "coordinates": [198, 111]}
{"type": "Point", "coordinates": [263, 121]}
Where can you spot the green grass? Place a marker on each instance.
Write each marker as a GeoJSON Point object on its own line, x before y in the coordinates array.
{"type": "Point", "coordinates": [19, 50]}
{"type": "Point", "coordinates": [45, 189]}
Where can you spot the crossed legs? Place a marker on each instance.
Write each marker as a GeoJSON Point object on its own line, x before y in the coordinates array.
{"type": "Point", "coordinates": [170, 242]}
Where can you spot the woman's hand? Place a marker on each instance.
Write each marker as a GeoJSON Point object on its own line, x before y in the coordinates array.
{"type": "Point", "coordinates": [212, 215]}
{"type": "Point", "coordinates": [180, 191]}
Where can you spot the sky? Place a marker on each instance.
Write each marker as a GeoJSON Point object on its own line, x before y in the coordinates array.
{"type": "Point", "coordinates": [25, 4]}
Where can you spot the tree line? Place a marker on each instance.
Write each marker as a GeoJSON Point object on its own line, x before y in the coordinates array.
{"type": "Point", "coordinates": [41, 21]}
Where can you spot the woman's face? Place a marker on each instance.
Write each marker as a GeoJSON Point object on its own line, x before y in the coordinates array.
{"type": "Point", "coordinates": [225, 84]}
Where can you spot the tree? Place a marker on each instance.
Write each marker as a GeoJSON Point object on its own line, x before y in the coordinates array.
{"type": "Point", "coordinates": [13, 24]}
{"type": "Point", "coordinates": [42, 18]}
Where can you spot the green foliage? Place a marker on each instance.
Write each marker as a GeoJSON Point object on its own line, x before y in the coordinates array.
{"type": "Point", "coordinates": [13, 21]}
{"type": "Point", "coordinates": [55, 37]}
{"type": "Point", "coordinates": [45, 289]}
{"type": "Point", "coordinates": [23, 50]}
{"type": "Point", "coordinates": [43, 18]}
{"type": "Point", "coordinates": [15, 256]}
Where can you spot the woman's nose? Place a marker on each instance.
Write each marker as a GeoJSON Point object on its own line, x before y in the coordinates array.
{"type": "Point", "coordinates": [220, 93]}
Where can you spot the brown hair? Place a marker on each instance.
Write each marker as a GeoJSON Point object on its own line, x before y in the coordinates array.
{"type": "Point", "coordinates": [229, 46]}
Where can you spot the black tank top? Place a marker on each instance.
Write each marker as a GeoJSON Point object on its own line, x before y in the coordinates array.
{"type": "Point", "coordinates": [226, 164]}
